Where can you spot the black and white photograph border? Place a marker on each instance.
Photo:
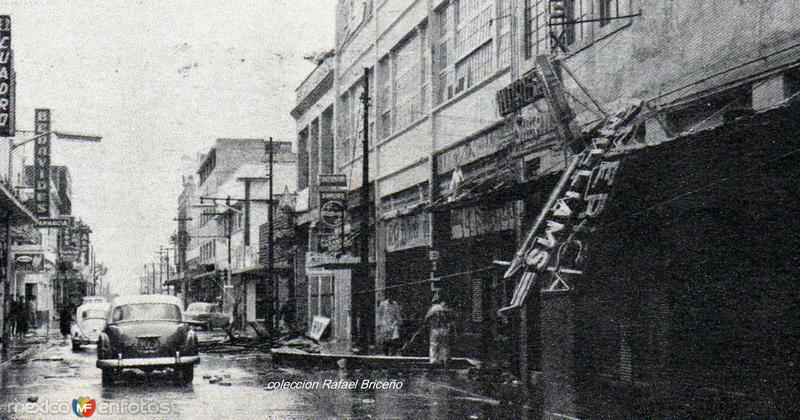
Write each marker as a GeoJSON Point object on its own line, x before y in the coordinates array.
{"type": "Point", "coordinates": [399, 209]}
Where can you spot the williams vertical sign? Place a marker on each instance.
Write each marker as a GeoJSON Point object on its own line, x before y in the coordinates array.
{"type": "Point", "coordinates": [6, 79]}
{"type": "Point", "coordinates": [41, 190]}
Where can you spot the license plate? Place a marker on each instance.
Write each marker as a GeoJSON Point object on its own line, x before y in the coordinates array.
{"type": "Point", "coordinates": [148, 344]}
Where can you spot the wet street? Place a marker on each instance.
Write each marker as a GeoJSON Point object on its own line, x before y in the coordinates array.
{"type": "Point", "coordinates": [233, 386]}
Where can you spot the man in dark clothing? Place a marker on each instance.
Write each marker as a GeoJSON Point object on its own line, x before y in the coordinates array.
{"type": "Point", "coordinates": [13, 310]}
{"type": "Point", "coordinates": [65, 321]}
{"type": "Point", "coordinates": [22, 316]}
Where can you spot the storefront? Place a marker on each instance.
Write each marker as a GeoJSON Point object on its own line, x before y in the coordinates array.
{"type": "Point", "coordinates": [329, 293]}
{"type": "Point", "coordinates": [694, 269]}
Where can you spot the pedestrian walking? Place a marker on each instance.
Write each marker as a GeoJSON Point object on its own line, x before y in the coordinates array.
{"type": "Point", "coordinates": [440, 319]}
{"type": "Point", "coordinates": [65, 319]}
{"type": "Point", "coordinates": [390, 317]}
{"type": "Point", "coordinates": [13, 310]}
{"type": "Point", "coordinates": [22, 316]}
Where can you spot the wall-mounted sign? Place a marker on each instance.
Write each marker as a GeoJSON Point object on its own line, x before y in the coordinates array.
{"type": "Point", "coordinates": [29, 262]}
{"type": "Point", "coordinates": [332, 182]}
{"type": "Point", "coordinates": [406, 232]}
{"type": "Point", "coordinates": [332, 199]}
{"type": "Point", "coordinates": [41, 188]}
{"type": "Point", "coordinates": [473, 221]}
{"type": "Point", "coordinates": [481, 145]}
{"type": "Point", "coordinates": [84, 246]}
{"type": "Point", "coordinates": [331, 213]}
{"type": "Point", "coordinates": [6, 79]}
{"type": "Point", "coordinates": [59, 222]}
{"type": "Point", "coordinates": [521, 92]}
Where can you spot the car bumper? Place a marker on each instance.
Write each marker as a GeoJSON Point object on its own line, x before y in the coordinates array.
{"type": "Point", "coordinates": [84, 341]}
{"type": "Point", "coordinates": [149, 362]}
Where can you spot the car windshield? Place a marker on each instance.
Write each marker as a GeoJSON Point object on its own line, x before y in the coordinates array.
{"type": "Point", "coordinates": [146, 312]}
{"type": "Point", "coordinates": [199, 307]}
{"type": "Point", "coordinates": [94, 314]}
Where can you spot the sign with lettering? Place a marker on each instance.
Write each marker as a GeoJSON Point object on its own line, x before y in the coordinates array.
{"type": "Point", "coordinates": [521, 92]}
{"type": "Point", "coordinates": [29, 262]}
{"type": "Point", "coordinates": [555, 250]}
{"type": "Point", "coordinates": [41, 151]}
{"type": "Point", "coordinates": [318, 326]}
{"type": "Point", "coordinates": [331, 212]}
{"type": "Point", "coordinates": [59, 222]}
{"type": "Point", "coordinates": [483, 144]}
{"type": "Point", "coordinates": [533, 122]}
{"type": "Point", "coordinates": [332, 182]}
{"type": "Point", "coordinates": [84, 247]}
{"type": "Point", "coordinates": [6, 79]}
{"type": "Point", "coordinates": [409, 231]}
{"type": "Point", "coordinates": [473, 221]}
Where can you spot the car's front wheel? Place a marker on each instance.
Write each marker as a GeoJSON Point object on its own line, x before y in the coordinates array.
{"type": "Point", "coordinates": [185, 374]}
{"type": "Point", "coordinates": [76, 347]}
{"type": "Point", "coordinates": [108, 376]}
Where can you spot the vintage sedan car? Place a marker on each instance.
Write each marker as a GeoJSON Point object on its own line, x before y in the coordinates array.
{"type": "Point", "coordinates": [90, 320]}
{"type": "Point", "coordinates": [206, 315]}
{"type": "Point", "coordinates": [147, 332]}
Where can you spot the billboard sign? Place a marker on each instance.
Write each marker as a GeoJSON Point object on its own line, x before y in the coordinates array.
{"type": "Point", "coordinates": [41, 188]}
{"type": "Point", "coordinates": [6, 79]}
{"type": "Point", "coordinates": [61, 222]}
{"type": "Point", "coordinates": [332, 199]}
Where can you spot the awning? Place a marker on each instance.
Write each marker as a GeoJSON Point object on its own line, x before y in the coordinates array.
{"type": "Point", "coordinates": [16, 211]}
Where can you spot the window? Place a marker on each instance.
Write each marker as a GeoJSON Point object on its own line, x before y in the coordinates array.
{"type": "Point", "coordinates": [320, 296]}
{"type": "Point", "coordinates": [473, 25]}
{"type": "Point", "coordinates": [384, 104]}
{"type": "Point", "coordinates": [442, 36]}
{"type": "Point", "coordinates": [503, 33]}
{"type": "Point", "coordinates": [474, 68]}
{"type": "Point", "coordinates": [407, 83]}
{"type": "Point", "coordinates": [146, 312]}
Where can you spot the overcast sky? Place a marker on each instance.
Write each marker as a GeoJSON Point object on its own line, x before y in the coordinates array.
{"type": "Point", "coordinates": [158, 80]}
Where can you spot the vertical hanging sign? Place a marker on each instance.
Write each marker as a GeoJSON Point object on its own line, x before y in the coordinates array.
{"type": "Point", "coordinates": [6, 79]}
{"type": "Point", "coordinates": [42, 164]}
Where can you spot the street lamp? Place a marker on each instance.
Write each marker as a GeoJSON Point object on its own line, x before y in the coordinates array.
{"type": "Point", "coordinates": [59, 134]}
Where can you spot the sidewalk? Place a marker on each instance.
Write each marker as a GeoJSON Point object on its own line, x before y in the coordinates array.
{"type": "Point", "coordinates": [19, 348]}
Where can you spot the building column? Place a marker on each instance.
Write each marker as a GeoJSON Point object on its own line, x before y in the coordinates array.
{"type": "Point", "coordinates": [559, 373]}
{"type": "Point", "coordinates": [771, 92]}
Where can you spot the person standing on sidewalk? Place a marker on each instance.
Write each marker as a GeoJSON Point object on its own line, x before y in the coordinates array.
{"type": "Point", "coordinates": [13, 310]}
{"type": "Point", "coordinates": [65, 319]}
{"type": "Point", "coordinates": [22, 316]}
{"type": "Point", "coordinates": [389, 318]}
{"type": "Point", "coordinates": [440, 319]}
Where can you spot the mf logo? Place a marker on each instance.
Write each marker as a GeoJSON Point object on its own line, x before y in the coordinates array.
{"type": "Point", "coordinates": [84, 406]}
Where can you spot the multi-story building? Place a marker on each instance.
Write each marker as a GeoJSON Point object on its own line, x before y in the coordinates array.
{"type": "Point", "coordinates": [314, 116]}
{"type": "Point", "coordinates": [221, 213]}
{"type": "Point", "coordinates": [476, 107]}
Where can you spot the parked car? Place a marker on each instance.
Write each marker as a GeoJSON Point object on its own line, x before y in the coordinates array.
{"type": "Point", "coordinates": [94, 299]}
{"type": "Point", "coordinates": [147, 332]}
{"type": "Point", "coordinates": [206, 315]}
{"type": "Point", "coordinates": [90, 320]}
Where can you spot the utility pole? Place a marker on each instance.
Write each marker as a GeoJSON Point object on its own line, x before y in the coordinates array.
{"type": "Point", "coordinates": [362, 317]}
{"type": "Point", "coordinates": [271, 247]}
{"type": "Point", "coordinates": [94, 274]}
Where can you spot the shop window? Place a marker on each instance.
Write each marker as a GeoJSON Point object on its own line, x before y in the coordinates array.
{"type": "Point", "coordinates": [320, 296]}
